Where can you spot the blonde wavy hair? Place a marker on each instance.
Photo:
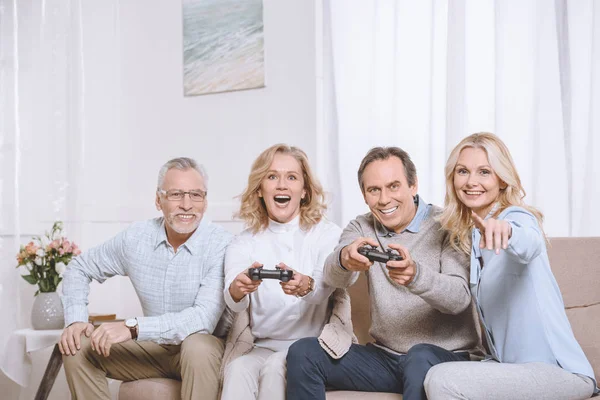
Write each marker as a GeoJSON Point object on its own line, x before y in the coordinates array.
{"type": "Point", "coordinates": [456, 217]}
{"type": "Point", "coordinates": [253, 210]}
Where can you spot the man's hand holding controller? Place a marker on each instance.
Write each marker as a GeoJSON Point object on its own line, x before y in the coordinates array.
{"type": "Point", "coordinates": [352, 260]}
{"type": "Point", "coordinates": [358, 256]}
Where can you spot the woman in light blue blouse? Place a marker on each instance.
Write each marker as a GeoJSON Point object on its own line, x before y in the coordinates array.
{"type": "Point", "coordinates": [533, 353]}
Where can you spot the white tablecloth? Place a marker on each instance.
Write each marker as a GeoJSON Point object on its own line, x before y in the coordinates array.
{"type": "Point", "coordinates": [16, 362]}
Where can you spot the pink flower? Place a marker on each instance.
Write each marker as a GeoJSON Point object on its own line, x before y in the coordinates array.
{"type": "Point", "coordinates": [61, 251]}
{"type": "Point", "coordinates": [31, 248]}
{"type": "Point", "coordinates": [77, 251]}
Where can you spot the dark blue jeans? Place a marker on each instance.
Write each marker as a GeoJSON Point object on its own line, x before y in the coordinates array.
{"type": "Point", "coordinates": [364, 368]}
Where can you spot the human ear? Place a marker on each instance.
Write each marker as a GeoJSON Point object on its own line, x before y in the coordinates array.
{"type": "Point", "coordinates": [415, 188]}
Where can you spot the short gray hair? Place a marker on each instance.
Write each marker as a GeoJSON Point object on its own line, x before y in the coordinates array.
{"type": "Point", "coordinates": [182, 163]}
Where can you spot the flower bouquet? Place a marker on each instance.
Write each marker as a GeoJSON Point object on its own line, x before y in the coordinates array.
{"type": "Point", "coordinates": [46, 258]}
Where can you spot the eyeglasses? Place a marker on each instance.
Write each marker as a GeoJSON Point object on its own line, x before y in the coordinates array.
{"type": "Point", "coordinates": [197, 196]}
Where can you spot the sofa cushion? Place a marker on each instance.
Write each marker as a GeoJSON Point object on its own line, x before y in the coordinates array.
{"type": "Point", "coordinates": [361, 309]}
{"type": "Point", "coordinates": [575, 263]}
{"type": "Point", "coordinates": [586, 325]}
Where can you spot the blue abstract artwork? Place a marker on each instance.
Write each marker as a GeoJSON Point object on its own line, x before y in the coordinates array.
{"type": "Point", "coordinates": [223, 46]}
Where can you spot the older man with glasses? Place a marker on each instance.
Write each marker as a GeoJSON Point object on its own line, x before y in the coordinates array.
{"type": "Point", "coordinates": [175, 264]}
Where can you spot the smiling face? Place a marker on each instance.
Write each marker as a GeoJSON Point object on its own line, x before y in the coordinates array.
{"type": "Point", "coordinates": [182, 217]}
{"type": "Point", "coordinates": [282, 188]}
{"type": "Point", "coordinates": [388, 194]}
{"type": "Point", "coordinates": [476, 184]}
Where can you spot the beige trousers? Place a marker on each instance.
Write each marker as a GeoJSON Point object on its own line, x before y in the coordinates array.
{"type": "Point", "coordinates": [196, 362]}
{"type": "Point", "coordinates": [259, 374]}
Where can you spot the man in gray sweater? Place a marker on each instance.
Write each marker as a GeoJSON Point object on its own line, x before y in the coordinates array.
{"type": "Point", "coordinates": [421, 310]}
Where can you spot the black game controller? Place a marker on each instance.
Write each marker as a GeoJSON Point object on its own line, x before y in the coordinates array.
{"type": "Point", "coordinates": [375, 255]}
{"type": "Point", "coordinates": [283, 275]}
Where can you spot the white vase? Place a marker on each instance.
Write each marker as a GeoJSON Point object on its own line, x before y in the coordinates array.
{"type": "Point", "coordinates": [47, 312]}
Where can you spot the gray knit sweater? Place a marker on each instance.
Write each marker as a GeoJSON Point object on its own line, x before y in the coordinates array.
{"type": "Point", "coordinates": [435, 307]}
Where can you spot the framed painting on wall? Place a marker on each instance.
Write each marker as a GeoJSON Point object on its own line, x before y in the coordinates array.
{"type": "Point", "coordinates": [223, 46]}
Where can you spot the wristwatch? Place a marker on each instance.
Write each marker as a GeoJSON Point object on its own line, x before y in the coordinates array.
{"type": "Point", "coordinates": [132, 324]}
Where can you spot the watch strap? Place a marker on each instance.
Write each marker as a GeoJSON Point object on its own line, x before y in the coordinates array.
{"type": "Point", "coordinates": [134, 331]}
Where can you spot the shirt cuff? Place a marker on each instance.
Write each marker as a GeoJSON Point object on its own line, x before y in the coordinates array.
{"type": "Point", "coordinates": [339, 258]}
{"type": "Point", "coordinates": [417, 273]}
{"type": "Point", "coordinates": [422, 281]}
{"type": "Point", "coordinates": [233, 306]}
{"type": "Point", "coordinates": [148, 328]}
{"type": "Point", "coordinates": [76, 314]}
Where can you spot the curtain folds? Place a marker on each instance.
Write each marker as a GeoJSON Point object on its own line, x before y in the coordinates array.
{"type": "Point", "coordinates": [422, 75]}
{"type": "Point", "coordinates": [41, 134]}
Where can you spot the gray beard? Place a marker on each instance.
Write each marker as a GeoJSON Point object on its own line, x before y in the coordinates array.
{"type": "Point", "coordinates": [171, 222]}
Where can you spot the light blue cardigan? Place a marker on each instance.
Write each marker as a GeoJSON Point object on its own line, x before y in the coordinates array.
{"type": "Point", "coordinates": [519, 301]}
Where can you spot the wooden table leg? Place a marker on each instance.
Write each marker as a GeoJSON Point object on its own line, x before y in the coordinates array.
{"type": "Point", "coordinates": [50, 374]}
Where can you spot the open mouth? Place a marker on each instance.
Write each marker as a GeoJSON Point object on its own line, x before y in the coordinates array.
{"type": "Point", "coordinates": [282, 199]}
{"type": "Point", "coordinates": [389, 210]}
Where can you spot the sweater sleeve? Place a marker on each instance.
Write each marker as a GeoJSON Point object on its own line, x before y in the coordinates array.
{"type": "Point", "coordinates": [334, 273]}
{"type": "Point", "coordinates": [445, 286]}
{"type": "Point", "coordinates": [326, 241]}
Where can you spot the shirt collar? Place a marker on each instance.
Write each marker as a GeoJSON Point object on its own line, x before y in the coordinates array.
{"type": "Point", "coordinates": [278, 227]}
{"type": "Point", "coordinates": [415, 224]}
{"type": "Point", "coordinates": [191, 244]}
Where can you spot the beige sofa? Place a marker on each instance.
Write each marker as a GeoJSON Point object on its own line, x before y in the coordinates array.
{"type": "Point", "coordinates": [576, 265]}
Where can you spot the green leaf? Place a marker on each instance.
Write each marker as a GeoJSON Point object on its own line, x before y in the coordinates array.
{"type": "Point", "coordinates": [51, 288]}
{"type": "Point", "coordinates": [43, 286]}
{"type": "Point", "coordinates": [37, 292]}
{"type": "Point", "coordinates": [30, 279]}
{"type": "Point", "coordinates": [56, 280]}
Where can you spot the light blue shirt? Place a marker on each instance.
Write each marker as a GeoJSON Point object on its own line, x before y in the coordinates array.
{"type": "Point", "coordinates": [180, 292]}
{"type": "Point", "coordinates": [519, 301]}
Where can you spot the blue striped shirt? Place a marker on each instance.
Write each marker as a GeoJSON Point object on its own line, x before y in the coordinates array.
{"type": "Point", "coordinates": [180, 292]}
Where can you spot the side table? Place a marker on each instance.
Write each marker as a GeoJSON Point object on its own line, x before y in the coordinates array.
{"type": "Point", "coordinates": [16, 362]}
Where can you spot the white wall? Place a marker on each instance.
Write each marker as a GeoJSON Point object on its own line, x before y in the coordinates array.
{"type": "Point", "coordinates": [137, 118]}
{"type": "Point", "coordinates": [134, 118]}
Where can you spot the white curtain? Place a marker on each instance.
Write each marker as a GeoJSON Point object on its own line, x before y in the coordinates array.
{"type": "Point", "coordinates": [422, 75]}
{"type": "Point", "coordinates": [41, 131]}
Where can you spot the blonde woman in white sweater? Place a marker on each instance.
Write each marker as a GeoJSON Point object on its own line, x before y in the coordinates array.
{"type": "Point", "coordinates": [283, 209]}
